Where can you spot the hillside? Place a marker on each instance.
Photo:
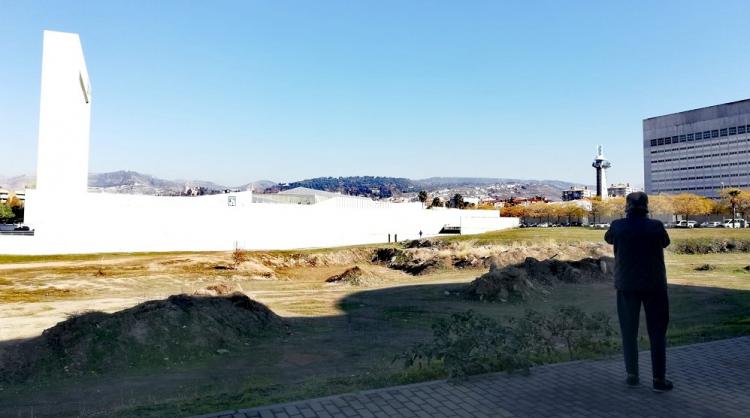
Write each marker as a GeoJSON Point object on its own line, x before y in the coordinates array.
{"type": "Point", "coordinates": [131, 182]}
{"type": "Point", "coordinates": [359, 186]}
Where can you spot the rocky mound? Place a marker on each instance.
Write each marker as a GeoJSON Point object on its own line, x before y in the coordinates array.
{"type": "Point", "coordinates": [176, 330]}
{"type": "Point", "coordinates": [520, 281]}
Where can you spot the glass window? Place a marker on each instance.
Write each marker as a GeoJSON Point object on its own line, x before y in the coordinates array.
{"type": "Point", "coordinates": [733, 131]}
{"type": "Point", "coordinates": [683, 138]}
{"type": "Point", "coordinates": [723, 132]}
{"type": "Point", "coordinates": [667, 141]}
{"type": "Point", "coordinates": [653, 142]}
{"type": "Point", "coordinates": [689, 137]}
{"type": "Point", "coordinates": [740, 129]}
{"type": "Point", "coordinates": [660, 141]}
{"type": "Point", "coordinates": [715, 133]}
{"type": "Point", "coordinates": [674, 139]}
{"type": "Point", "coordinates": [706, 134]}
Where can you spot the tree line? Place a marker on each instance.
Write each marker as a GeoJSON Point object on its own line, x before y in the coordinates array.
{"type": "Point", "coordinates": [687, 205]}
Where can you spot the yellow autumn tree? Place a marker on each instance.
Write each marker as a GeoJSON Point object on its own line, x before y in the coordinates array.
{"type": "Point", "coordinates": [690, 205]}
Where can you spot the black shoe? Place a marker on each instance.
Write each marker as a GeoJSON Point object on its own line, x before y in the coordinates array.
{"type": "Point", "coordinates": [633, 380]}
{"type": "Point", "coordinates": [662, 385]}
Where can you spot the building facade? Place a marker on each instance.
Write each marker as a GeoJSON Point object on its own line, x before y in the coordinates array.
{"type": "Point", "coordinates": [577, 193]}
{"type": "Point", "coordinates": [698, 151]}
{"type": "Point", "coordinates": [620, 190]}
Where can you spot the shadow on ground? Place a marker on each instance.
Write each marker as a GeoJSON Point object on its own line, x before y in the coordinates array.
{"type": "Point", "coordinates": [335, 354]}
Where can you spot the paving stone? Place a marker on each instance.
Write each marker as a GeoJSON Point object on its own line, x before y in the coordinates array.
{"type": "Point", "coordinates": [711, 380]}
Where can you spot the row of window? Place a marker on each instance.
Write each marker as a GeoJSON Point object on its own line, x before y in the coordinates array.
{"type": "Point", "coordinates": [697, 136]}
{"type": "Point", "coordinates": [684, 189]}
{"type": "Point", "coordinates": [713, 144]}
{"type": "Point", "coordinates": [695, 157]}
{"type": "Point", "coordinates": [717, 176]}
{"type": "Point", "coordinates": [697, 167]}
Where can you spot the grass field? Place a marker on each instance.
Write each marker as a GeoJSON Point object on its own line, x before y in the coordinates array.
{"type": "Point", "coordinates": [343, 338]}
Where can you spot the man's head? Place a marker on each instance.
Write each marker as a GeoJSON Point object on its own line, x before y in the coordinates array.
{"type": "Point", "coordinates": [636, 203]}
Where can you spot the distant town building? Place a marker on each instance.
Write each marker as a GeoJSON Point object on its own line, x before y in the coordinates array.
{"type": "Point", "coordinates": [620, 190]}
{"type": "Point", "coordinates": [524, 201]}
{"type": "Point", "coordinates": [577, 193]}
{"type": "Point", "coordinates": [471, 201]}
{"type": "Point", "coordinates": [7, 194]}
{"type": "Point", "coordinates": [698, 151]}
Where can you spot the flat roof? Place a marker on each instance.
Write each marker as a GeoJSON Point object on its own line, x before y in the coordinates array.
{"type": "Point", "coordinates": [738, 103]}
{"type": "Point", "coordinates": [725, 110]}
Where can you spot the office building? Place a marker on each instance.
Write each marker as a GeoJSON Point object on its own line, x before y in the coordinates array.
{"type": "Point", "coordinates": [698, 151]}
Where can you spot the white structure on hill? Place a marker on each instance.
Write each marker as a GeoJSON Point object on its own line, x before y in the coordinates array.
{"type": "Point", "coordinates": [101, 222]}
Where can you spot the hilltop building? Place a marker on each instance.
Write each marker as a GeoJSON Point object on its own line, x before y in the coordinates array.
{"type": "Point", "coordinates": [699, 151]}
{"type": "Point", "coordinates": [104, 222]}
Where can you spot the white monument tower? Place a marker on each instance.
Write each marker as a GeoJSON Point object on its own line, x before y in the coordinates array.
{"type": "Point", "coordinates": [601, 165]}
{"type": "Point", "coordinates": [64, 123]}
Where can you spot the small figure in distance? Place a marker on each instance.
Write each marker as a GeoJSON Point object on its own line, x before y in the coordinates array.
{"type": "Point", "coordinates": [641, 278]}
{"type": "Point", "coordinates": [420, 234]}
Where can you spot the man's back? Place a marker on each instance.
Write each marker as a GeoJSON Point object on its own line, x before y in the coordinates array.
{"type": "Point", "coordinates": [639, 244]}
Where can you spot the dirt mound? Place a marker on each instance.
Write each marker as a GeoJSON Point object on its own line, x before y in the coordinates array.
{"type": "Point", "coordinates": [415, 261]}
{"type": "Point", "coordinates": [520, 281]}
{"type": "Point", "coordinates": [424, 243]}
{"type": "Point", "coordinates": [176, 330]}
{"type": "Point", "coordinates": [220, 289]}
{"type": "Point", "coordinates": [354, 276]}
{"type": "Point", "coordinates": [257, 270]}
{"type": "Point", "coordinates": [704, 267]}
{"type": "Point", "coordinates": [418, 258]}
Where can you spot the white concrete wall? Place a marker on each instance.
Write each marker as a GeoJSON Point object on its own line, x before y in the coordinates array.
{"type": "Point", "coordinates": [102, 222]}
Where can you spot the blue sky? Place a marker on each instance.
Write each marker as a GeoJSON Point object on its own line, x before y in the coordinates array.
{"type": "Point", "coordinates": [285, 90]}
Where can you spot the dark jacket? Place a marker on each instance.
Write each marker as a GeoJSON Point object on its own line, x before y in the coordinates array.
{"type": "Point", "coordinates": [639, 244]}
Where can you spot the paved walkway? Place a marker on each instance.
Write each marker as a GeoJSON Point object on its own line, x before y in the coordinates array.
{"type": "Point", "coordinates": [711, 380]}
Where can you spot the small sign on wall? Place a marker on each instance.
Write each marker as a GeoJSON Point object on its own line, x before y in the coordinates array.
{"type": "Point", "coordinates": [232, 200]}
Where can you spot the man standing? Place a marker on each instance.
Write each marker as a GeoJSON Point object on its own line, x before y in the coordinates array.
{"type": "Point", "coordinates": [641, 278]}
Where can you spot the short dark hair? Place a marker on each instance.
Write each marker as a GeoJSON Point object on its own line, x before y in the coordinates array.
{"type": "Point", "coordinates": [636, 202]}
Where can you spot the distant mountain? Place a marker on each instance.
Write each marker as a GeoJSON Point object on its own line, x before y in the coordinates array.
{"type": "Point", "coordinates": [132, 182]}
{"type": "Point", "coordinates": [358, 186]}
{"type": "Point", "coordinates": [469, 186]}
{"type": "Point", "coordinates": [500, 187]}
{"type": "Point", "coordinates": [17, 182]}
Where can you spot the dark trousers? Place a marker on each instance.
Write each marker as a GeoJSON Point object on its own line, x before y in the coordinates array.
{"type": "Point", "coordinates": [656, 305]}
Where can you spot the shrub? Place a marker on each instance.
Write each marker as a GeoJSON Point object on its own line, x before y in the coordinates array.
{"type": "Point", "coordinates": [468, 343]}
{"type": "Point", "coordinates": [239, 256]}
{"type": "Point", "coordinates": [710, 245]}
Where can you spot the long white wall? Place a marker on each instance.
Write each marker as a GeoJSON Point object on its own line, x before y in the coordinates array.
{"type": "Point", "coordinates": [125, 223]}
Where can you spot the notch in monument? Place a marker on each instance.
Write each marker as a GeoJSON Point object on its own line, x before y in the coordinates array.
{"type": "Point", "coordinates": [85, 87]}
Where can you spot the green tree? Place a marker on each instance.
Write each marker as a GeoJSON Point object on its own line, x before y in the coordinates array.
{"type": "Point", "coordinates": [422, 196]}
{"type": "Point", "coordinates": [734, 199]}
{"type": "Point", "coordinates": [6, 213]}
{"type": "Point", "coordinates": [436, 202]}
{"type": "Point", "coordinates": [458, 201]}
